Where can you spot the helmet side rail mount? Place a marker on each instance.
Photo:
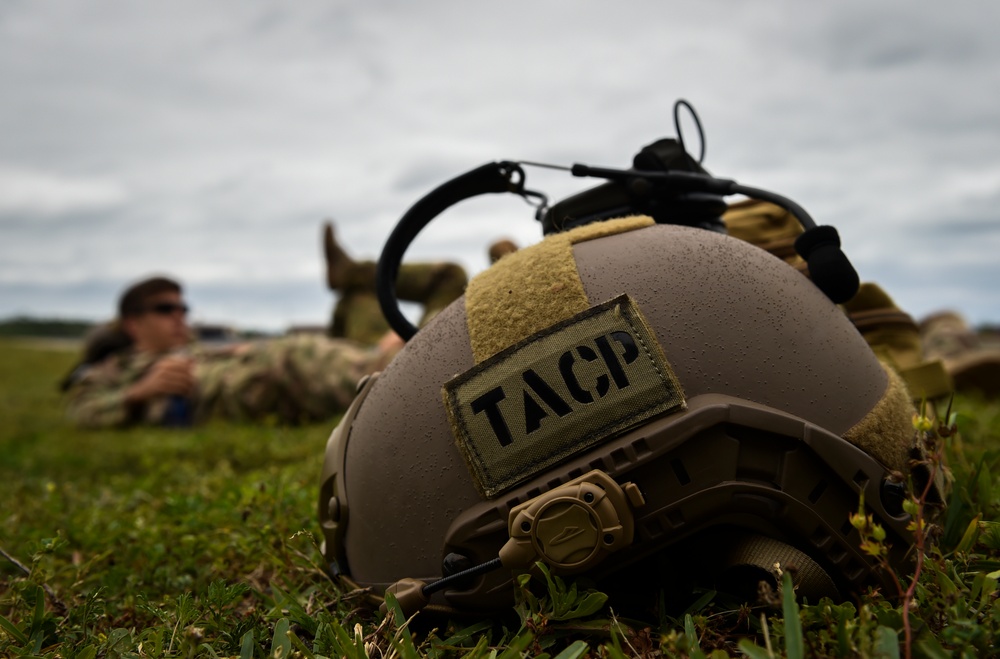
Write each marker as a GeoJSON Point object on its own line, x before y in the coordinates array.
{"type": "Point", "coordinates": [572, 528]}
{"type": "Point", "coordinates": [634, 190]}
{"type": "Point", "coordinates": [790, 476]}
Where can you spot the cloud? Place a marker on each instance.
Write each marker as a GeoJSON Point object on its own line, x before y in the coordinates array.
{"type": "Point", "coordinates": [36, 193]}
{"type": "Point", "coordinates": [210, 140]}
{"type": "Point", "coordinates": [894, 35]}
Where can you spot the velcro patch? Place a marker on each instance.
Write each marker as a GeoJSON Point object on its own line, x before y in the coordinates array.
{"type": "Point", "coordinates": [559, 392]}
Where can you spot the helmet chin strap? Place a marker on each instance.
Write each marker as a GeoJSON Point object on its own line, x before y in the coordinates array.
{"type": "Point", "coordinates": [571, 528]}
{"type": "Point", "coordinates": [751, 556]}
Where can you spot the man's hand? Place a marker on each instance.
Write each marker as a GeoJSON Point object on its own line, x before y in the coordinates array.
{"type": "Point", "coordinates": [168, 376]}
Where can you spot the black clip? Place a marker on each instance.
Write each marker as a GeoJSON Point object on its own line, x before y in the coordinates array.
{"type": "Point", "coordinates": [537, 200]}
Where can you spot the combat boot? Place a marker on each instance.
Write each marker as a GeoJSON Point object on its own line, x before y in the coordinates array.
{"type": "Point", "coordinates": [972, 363]}
{"type": "Point", "coordinates": [338, 263]}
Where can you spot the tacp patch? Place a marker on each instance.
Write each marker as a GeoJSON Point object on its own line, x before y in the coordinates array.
{"type": "Point", "coordinates": [558, 392]}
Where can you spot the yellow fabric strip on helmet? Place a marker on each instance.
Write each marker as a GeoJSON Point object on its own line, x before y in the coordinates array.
{"type": "Point", "coordinates": [533, 288]}
{"type": "Point", "coordinates": [886, 433]}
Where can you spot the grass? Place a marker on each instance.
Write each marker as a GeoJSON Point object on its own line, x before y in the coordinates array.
{"type": "Point", "coordinates": [164, 543]}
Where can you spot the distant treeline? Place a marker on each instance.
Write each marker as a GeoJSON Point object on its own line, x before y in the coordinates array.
{"type": "Point", "coordinates": [46, 327]}
{"type": "Point", "coordinates": [59, 328]}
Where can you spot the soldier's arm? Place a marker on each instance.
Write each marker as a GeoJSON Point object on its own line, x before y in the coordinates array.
{"type": "Point", "coordinates": [168, 376]}
{"type": "Point", "coordinates": [115, 393]}
{"type": "Point", "coordinates": [99, 399]}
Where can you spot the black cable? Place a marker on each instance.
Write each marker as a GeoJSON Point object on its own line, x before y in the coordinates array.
{"type": "Point", "coordinates": [693, 182]}
{"type": "Point", "coordinates": [697, 122]}
{"type": "Point", "coordinates": [483, 568]}
{"type": "Point", "coordinates": [491, 177]}
{"type": "Point", "coordinates": [829, 268]}
{"type": "Point", "coordinates": [804, 218]}
{"type": "Point", "coordinates": [820, 248]}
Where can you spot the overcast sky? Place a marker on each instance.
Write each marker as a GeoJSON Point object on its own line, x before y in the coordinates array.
{"type": "Point", "coordinates": [210, 139]}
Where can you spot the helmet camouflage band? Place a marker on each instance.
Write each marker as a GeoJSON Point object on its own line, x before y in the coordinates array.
{"type": "Point", "coordinates": [621, 388]}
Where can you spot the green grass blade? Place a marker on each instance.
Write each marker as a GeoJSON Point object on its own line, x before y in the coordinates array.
{"type": "Point", "coordinates": [752, 650]}
{"type": "Point", "coordinates": [517, 645]}
{"type": "Point", "coordinates": [794, 643]}
{"type": "Point", "coordinates": [887, 643]}
{"type": "Point", "coordinates": [88, 652]}
{"type": "Point", "coordinates": [694, 647]}
{"type": "Point", "coordinates": [970, 536]}
{"type": "Point", "coordinates": [576, 650]}
{"type": "Point", "coordinates": [702, 602]}
{"type": "Point", "coordinates": [12, 629]}
{"type": "Point", "coordinates": [403, 640]}
{"type": "Point", "coordinates": [281, 645]}
{"type": "Point", "coordinates": [463, 635]}
{"type": "Point", "coordinates": [246, 646]}
{"type": "Point", "coordinates": [929, 647]}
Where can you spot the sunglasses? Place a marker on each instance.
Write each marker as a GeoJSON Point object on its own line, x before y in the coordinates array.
{"type": "Point", "coordinates": [167, 308]}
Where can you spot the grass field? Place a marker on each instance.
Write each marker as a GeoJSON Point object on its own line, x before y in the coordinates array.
{"type": "Point", "coordinates": [165, 543]}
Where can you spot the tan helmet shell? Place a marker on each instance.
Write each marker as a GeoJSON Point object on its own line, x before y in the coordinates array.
{"type": "Point", "coordinates": [775, 377]}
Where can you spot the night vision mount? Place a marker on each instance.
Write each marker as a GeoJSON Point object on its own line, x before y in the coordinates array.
{"type": "Point", "coordinates": [664, 182]}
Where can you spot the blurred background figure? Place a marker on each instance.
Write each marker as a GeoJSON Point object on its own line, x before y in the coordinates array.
{"type": "Point", "coordinates": [144, 368]}
{"type": "Point", "coordinates": [971, 358]}
{"type": "Point", "coordinates": [357, 314]}
{"type": "Point", "coordinates": [939, 355]}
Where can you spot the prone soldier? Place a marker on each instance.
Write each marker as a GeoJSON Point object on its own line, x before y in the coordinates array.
{"type": "Point", "coordinates": [155, 375]}
{"type": "Point", "coordinates": [144, 368]}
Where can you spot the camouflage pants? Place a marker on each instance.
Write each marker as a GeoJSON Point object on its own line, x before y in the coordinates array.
{"type": "Point", "coordinates": [295, 379]}
{"type": "Point", "coordinates": [358, 315]}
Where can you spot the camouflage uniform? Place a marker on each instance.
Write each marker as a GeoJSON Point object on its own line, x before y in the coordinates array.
{"type": "Point", "coordinates": [293, 379]}
{"type": "Point", "coordinates": [971, 358]}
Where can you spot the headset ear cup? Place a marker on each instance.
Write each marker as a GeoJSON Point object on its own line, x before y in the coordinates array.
{"type": "Point", "coordinates": [829, 267]}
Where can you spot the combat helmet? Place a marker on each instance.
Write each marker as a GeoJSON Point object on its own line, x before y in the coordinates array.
{"type": "Point", "coordinates": [621, 390]}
